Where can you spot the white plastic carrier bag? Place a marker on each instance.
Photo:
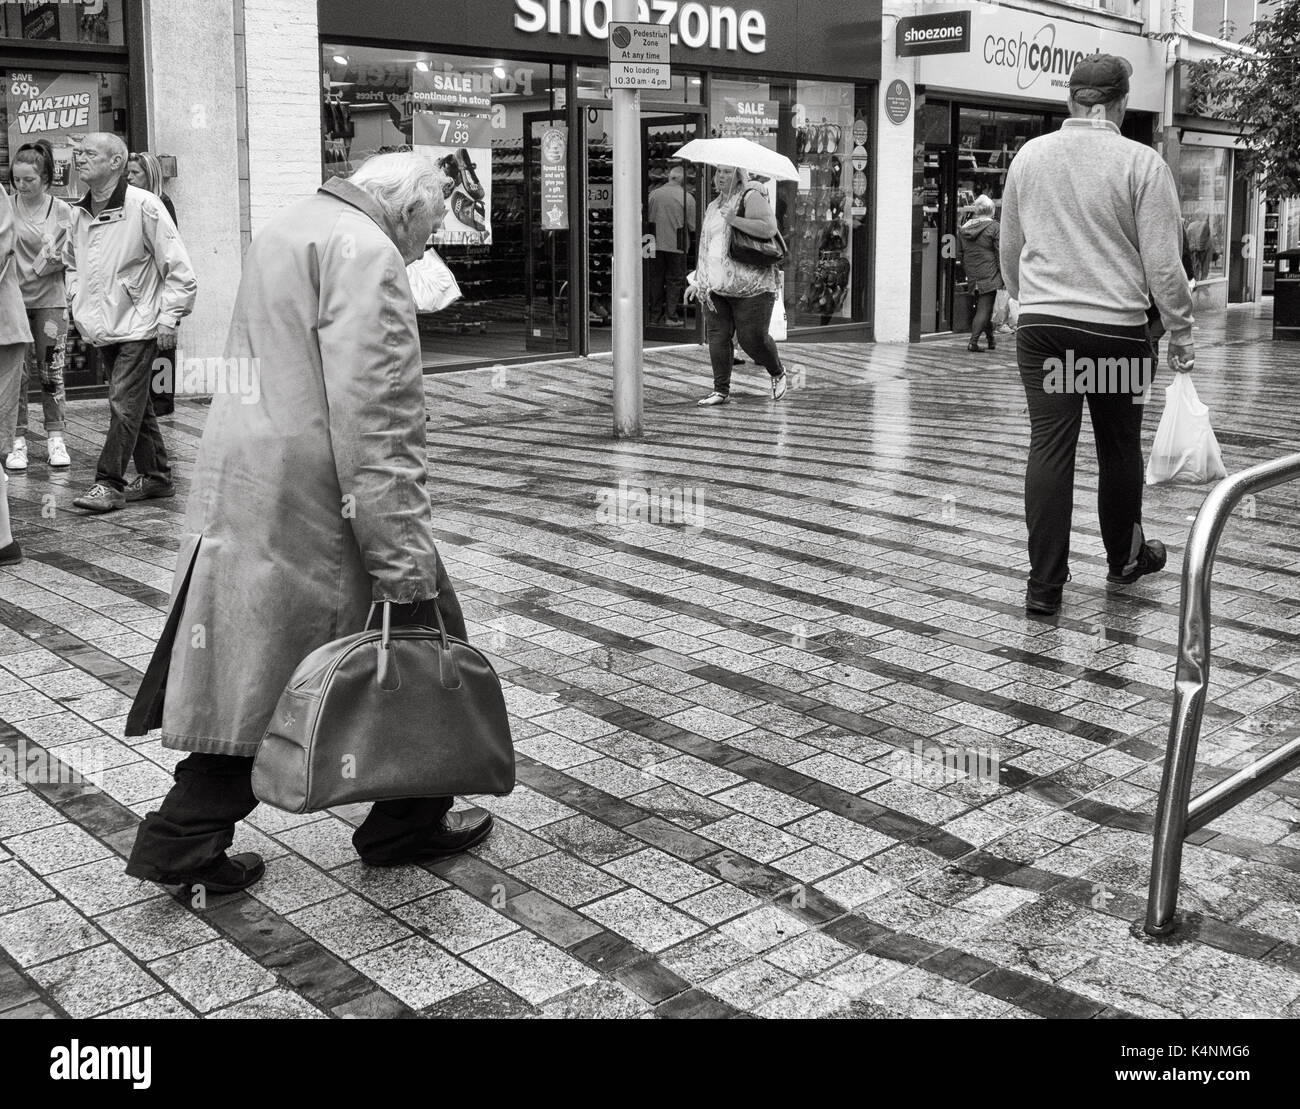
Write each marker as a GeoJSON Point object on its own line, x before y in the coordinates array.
{"type": "Point", "coordinates": [432, 284]}
{"type": "Point", "coordinates": [1185, 449]}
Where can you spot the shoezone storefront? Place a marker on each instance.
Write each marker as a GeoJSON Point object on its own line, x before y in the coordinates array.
{"type": "Point", "coordinates": [988, 80]}
{"type": "Point", "coordinates": [511, 100]}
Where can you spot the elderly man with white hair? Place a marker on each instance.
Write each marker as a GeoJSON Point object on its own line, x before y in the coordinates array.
{"type": "Point", "coordinates": [977, 247]}
{"type": "Point", "coordinates": [307, 506]}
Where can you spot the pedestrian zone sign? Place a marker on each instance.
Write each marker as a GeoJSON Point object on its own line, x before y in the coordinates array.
{"type": "Point", "coordinates": [638, 56]}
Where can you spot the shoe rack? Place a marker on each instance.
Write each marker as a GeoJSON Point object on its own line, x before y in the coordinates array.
{"type": "Point", "coordinates": [600, 230]}
{"type": "Point", "coordinates": [821, 240]}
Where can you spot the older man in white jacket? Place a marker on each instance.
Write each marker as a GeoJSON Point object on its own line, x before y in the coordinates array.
{"type": "Point", "coordinates": [129, 284]}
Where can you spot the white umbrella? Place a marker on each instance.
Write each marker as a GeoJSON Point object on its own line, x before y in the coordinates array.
{"type": "Point", "coordinates": [741, 153]}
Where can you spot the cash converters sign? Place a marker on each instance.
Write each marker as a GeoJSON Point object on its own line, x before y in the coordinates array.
{"type": "Point", "coordinates": [691, 24]}
{"type": "Point", "coordinates": [946, 33]}
{"type": "Point", "coordinates": [1021, 54]}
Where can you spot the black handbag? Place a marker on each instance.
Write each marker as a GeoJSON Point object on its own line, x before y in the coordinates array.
{"type": "Point", "coordinates": [749, 250]}
{"type": "Point", "coordinates": [385, 714]}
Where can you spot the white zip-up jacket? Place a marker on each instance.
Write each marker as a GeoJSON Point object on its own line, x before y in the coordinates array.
{"type": "Point", "coordinates": [128, 271]}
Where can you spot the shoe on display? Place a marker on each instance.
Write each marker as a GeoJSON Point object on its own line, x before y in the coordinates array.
{"type": "Point", "coordinates": [468, 211]}
{"type": "Point", "coordinates": [149, 488]}
{"type": "Point", "coordinates": [779, 386]}
{"type": "Point", "coordinates": [17, 458]}
{"type": "Point", "coordinates": [712, 399]}
{"type": "Point", "coordinates": [468, 178]}
{"type": "Point", "coordinates": [1151, 558]}
{"type": "Point", "coordinates": [100, 498]}
{"type": "Point", "coordinates": [57, 452]}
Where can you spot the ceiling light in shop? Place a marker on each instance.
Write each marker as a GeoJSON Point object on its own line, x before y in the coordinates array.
{"type": "Point", "coordinates": [499, 73]}
{"type": "Point", "coordinates": [423, 67]}
{"type": "Point", "coordinates": [339, 59]}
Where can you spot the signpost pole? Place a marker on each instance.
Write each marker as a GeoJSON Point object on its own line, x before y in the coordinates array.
{"type": "Point", "coordinates": [627, 323]}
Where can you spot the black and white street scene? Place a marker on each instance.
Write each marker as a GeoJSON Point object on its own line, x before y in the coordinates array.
{"type": "Point", "coordinates": [607, 510]}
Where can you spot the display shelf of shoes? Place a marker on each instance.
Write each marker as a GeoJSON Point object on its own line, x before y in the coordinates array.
{"type": "Point", "coordinates": [817, 276]}
{"type": "Point", "coordinates": [600, 235]}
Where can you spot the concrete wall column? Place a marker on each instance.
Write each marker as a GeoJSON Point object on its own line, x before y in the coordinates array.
{"type": "Point", "coordinates": [891, 312]}
{"type": "Point", "coordinates": [195, 120]}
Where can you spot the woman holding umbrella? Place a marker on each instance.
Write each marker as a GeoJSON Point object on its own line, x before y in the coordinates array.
{"type": "Point", "coordinates": [737, 297]}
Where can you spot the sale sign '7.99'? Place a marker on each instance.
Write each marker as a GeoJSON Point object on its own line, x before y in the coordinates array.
{"type": "Point", "coordinates": [460, 145]}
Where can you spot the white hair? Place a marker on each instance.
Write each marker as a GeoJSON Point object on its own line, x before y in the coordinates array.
{"type": "Point", "coordinates": [400, 182]}
{"type": "Point", "coordinates": [108, 143]}
{"type": "Point", "coordinates": [984, 206]}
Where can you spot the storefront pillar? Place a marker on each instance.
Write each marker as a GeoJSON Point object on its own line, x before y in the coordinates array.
{"type": "Point", "coordinates": [892, 311]}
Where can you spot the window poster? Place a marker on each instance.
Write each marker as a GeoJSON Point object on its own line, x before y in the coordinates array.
{"type": "Point", "coordinates": [459, 143]}
{"type": "Point", "coordinates": [57, 107]}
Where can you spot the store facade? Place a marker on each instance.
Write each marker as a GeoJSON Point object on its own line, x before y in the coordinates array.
{"type": "Point", "coordinates": [987, 80]}
{"type": "Point", "coordinates": [68, 69]}
{"type": "Point", "coordinates": [511, 100]}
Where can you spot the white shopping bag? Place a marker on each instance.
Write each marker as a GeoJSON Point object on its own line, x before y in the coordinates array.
{"type": "Point", "coordinates": [777, 326]}
{"type": "Point", "coordinates": [1185, 449]}
{"type": "Point", "coordinates": [432, 284]}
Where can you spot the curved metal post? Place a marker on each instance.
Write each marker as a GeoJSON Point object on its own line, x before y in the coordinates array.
{"type": "Point", "coordinates": [1190, 683]}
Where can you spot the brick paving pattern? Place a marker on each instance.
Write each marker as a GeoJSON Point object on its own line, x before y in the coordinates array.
{"type": "Point", "coordinates": [719, 808]}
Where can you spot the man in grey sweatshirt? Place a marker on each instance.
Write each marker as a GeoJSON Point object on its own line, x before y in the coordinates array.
{"type": "Point", "coordinates": [1091, 236]}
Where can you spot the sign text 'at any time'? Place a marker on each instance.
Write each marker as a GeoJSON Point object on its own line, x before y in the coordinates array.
{"type": "Point", "coordinates": [695, 25]}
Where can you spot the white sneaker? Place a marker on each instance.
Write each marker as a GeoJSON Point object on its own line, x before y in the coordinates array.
{"type": "Point", "coordinates": [778, 387]}
{"type": "Point", "coordinates": [17, 459]}
{"type": "Point", "coordinates": [57, 452]}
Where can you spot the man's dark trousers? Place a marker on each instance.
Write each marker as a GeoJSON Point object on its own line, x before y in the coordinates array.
{"type": "Point", "coordinates": [133, 432]}
{"type": "Point", "coordinates": [1055, 418]}
{"type": "Point", "coordinates": [196, 821]}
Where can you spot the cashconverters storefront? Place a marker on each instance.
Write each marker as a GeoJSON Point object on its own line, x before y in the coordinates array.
{"type": "Point", "coordinates": [989, 80]}
{"type": "Point", "coordinates": [511, 99]}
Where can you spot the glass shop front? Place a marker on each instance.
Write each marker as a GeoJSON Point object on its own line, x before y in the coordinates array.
{"type": "Point", "coordinates": [523, 135]}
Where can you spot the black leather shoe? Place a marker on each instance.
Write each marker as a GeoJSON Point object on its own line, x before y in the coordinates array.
{"type": "Point", "coordinates": [1043, 600]}
{"type": "Point", "coordinates": [229, 874]}
{"type": "Point", "coordinates": [1151, 558]}
{"type": "Point", "coordinates": [11, 555]}
{"type": "Point", "coordinates": [458, 832]}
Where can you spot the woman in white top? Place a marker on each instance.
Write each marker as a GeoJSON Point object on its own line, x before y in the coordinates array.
{"type": "Point", "coordinates": [737, 298]}
{"type": "Point", "coordinates": [41, 223]}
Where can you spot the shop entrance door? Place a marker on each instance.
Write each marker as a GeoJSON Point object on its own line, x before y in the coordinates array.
{"type": "Point", "coordinates": [549, 319]}
{"type": "Point", "coordinates": [938, 231]}
{"type": "Point", "coordinates": [662, 132]}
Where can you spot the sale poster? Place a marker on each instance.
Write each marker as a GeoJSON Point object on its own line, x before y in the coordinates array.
{"type": "Point", "coordinates": [57, 107]}
{"type": "Point", "coordinates": [459, 142]}
{"type": "Point", "coordinates": [750, 119]}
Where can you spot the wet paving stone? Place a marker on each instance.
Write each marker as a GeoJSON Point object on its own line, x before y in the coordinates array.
{"type": "Point", "coordinates": [718, 811]}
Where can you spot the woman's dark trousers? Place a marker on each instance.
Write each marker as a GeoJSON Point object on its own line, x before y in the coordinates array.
{"type": "Point", "coordinates": [748, 319]}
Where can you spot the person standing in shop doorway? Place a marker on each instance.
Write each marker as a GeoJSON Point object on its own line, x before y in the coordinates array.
{"type": "Point", "coordinates": [977, 248]}
{"type": "Point", "coordinates": [130, 282]}
{"type": "Point", "coordinates": [1091, 233]}
{"type": "Point", "coordinates": [671, 210]}
{"type": "Point", "coordinates": [144, 171]}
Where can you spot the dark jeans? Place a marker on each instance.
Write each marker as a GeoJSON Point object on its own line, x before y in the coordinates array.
{"type": "Point", "coordinates": [748, 319]}
{"type": "Point", "coordinates": [667, 278]}
{"type": "Point", "coordinates": [162, 385]}
{"type": "Point", "coordinates": [133, 432]}
{"type": "Point", "coordinates": [1055, 418]}
{"type": "Point", "coordinates": [196, 821]}
{"type": "Point", "coordinates": [982, 317]}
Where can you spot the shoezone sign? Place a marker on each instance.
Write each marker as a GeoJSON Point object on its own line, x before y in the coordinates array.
{"type": "Point", "coordinates": [693, 25]}
{"type": "Point", "coordinates": [459, 144]}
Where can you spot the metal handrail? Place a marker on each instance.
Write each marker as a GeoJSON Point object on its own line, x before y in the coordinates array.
{"type": "Point", "coordinates": [1176, 817]}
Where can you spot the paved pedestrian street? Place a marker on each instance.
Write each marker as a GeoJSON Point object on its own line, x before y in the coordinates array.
{"type": "Point", "coordinates": [727, 649]}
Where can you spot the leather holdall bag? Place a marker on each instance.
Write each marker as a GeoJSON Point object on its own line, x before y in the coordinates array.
{"type": "Point", "coordinates": [384, 714]}
{"type": "Point", "coordinates": [752, 251]}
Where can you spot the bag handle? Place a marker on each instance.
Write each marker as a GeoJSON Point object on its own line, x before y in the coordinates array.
{"type": "Point", "coordinates": [386, 672]}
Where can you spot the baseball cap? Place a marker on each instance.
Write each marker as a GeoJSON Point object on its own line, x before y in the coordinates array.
{"type": "Point", "coordinates": [1100, 78]}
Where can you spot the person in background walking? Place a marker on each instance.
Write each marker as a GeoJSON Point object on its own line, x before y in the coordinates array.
{"type": "Point", "coordinates": [41, 225]}
{"type": "Point", "coordinates": [737, 298]}
{"type": "Point", "coordinates": [14, 337]}
{"type": "Point", "coordinates": [129, 284]}
{"type": "Point", "coordinates": [977, 247]}
{"type": "Point", "coordinates": [1091, 233]}
{"type": "Point", "coordinates": [671, 211]}
{"type": "Point", "coordinates": [144, 171]}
